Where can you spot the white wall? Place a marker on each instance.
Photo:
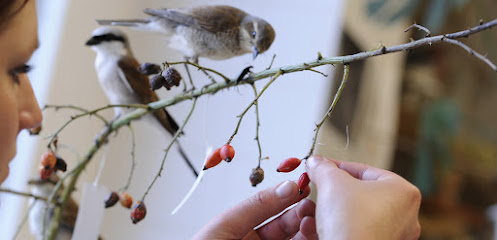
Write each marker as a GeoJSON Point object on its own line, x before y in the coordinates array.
{"type": "Point", "coordinates": [289, 110]}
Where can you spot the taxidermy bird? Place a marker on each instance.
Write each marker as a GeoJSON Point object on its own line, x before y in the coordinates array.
{"type": "Point", "coordinates": [120, 79]}
{"type": "Point", "coordinates": [37, 215]}
{"type": "Point", "coordinates": [214, 32]}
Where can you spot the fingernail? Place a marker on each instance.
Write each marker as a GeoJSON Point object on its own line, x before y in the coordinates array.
{"type": "Point", "coordinates": [312, 162]}
{"type": "Point", "coordinates": [285, 189]}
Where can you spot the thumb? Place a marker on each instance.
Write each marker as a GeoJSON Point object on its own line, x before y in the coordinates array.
{"type": "Point", "coordinates": [324, 172]}
{"type": "Point", "coordinates": [239, 220]}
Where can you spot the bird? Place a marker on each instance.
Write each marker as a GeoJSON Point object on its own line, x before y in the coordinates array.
{"type": "Point", "coordinates": [118, 74]}
{"type": "Point", "coordinates": [215, 32]}
{"type": "Point", "coordinates": [42, 211]}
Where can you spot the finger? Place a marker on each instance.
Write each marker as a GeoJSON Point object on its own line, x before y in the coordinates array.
{"type": "Point", "coordinates": [288, 224]}
{"type": "Point", "coordinates": [307, 230]}
{"type": "Point", "coordinates": [325, 169]}
{"type": "Point", "coordinates": [239, 220]}
{"type": "Point", "coordinates": [325, 173]}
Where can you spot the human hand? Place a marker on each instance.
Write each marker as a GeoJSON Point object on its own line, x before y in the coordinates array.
{"type": "Point", "coordinates": [357, 201]}
{"type": "Point", "coordinates": [239, 221]}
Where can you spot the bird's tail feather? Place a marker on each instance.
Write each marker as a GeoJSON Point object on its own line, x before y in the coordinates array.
{"type": "Point", "coordinates": [187, 160]}
{"type": "Point", "coordinates": [124, 22]}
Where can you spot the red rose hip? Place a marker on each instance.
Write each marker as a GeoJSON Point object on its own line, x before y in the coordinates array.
{"type": "Point", "coordinates": [289, 165]}
{"type": "Point", "coordinates": [213, 159]}
{"type": "Point", "coordinates": [303, 182]}
{"type": "Point", "coordinates": [227, 153]}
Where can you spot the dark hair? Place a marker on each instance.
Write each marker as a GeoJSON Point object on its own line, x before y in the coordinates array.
{"type": "Point", "coordinates": [7, 10]}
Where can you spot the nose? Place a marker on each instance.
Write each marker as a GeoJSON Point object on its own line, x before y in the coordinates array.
{"type": "Point", "coordinates": [29, 111]}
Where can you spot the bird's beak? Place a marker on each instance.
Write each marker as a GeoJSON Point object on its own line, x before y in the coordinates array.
{"type": "Point", "coordinates": [255, 52]}
{"type": "Point", "coordinates": [92, 41]}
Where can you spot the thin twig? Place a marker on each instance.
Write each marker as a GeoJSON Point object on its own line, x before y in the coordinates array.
{"type": "Point", "coordinates": [54, 135]}
{"type": "Point", "coordinates": [240, 117]}
{"type": "Point", "coordinates": [189, 77]}
{"type": "Point", "coordinates": [133, 162]}
{"type": "Point", "coordinates": [330, 110]}
{"type": "Point", "coordinates": [472, 52]}
{"type": "Point", "coordinates": [24, 194]}
{"type": "Point", "coordinates": [24, 219]}
{"type": "Point", "coordinates": [200, 68]}
{"type": "Point", "coordinates": [426, 30]}
{"type": "Point", "coordinates": [175, 138]}
{"type": "Point", "coordinates": [272, 61]}
{"type": "Point", "coordinates": [57, 107]}
{"type": "Point", "coordinates": [258, 124]}
{"type": "Point", "coordinates": [316, 71]}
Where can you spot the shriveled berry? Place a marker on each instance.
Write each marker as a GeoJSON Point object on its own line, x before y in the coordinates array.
{"type": "Point", "coordinates": [149, 68]}
{"type": "Point", "coordinates": [227, 153]}
{"type": "Point", "coordinates": [213, 159]}
{"type": "Point", "coordinates": [172, 77]}
{"type": "Point", "coordinates": [138, 212]}
{"type": "Point", "coordinates": [257, 176]}
{"type": "Point", "coordinates": [125, 199]}
{"type": "Point", "coordinates": [157, 81]}
{"type": "Point", "coordinates": [111, 199]}
{"type": "Point", "coordinates": [288, 165]}
{"type": "Point", "coordinates": [303, 182]}
{"type": "Point", "coordinates": [60, 164]}
{"type": "Point", "coordinates": [35, 131]}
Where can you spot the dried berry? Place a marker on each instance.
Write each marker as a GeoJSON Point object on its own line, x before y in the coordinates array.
{"type": "Point", "coordinates": [111, 199]}
{"type": "Point", "coordinates": [303, 182]}
{"type": "Point", "coordinates": [47, 164]}
{"type": "Point", "coordinates": [172, 77]}
{"type": "Point", "coordinates": [35, 131]}
{"type": "Point", "coordinates": [213, 159]}
{"type": "Point", "coordinates": [138, 212]}
{"type": "Point", "coordinates": [257, 176]}
{"type": "Point", "coordinates": [149, 68]}
{"type": "Point", "coordinates": [227, 153]}
{"type": "Point", "coordinates": [125, 199]}
{"type": "Point", "coordinates": [288, 165]}
{"type": "Point", "coordinates": [60, 164]}
{"type": "Point", "coordinates": [157, 81]}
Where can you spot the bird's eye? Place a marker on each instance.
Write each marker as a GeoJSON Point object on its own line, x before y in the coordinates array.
{"type": "Point", "coordinates": [253, 34]}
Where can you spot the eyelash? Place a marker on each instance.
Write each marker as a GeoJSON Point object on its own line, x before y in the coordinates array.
{"type": "Point", "coordinates": [23, 69]}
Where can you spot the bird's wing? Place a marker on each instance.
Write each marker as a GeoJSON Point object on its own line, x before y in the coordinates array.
{"type": "Point", "coordinates": [211, 18]}
{"type": "Point", "coordinates": [140, 86]}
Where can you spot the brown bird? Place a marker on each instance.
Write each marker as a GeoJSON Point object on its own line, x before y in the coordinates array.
{"type": "Point", "coordinates": [117, 70]}
{"type": "Point", "coordinates": [214, 32]}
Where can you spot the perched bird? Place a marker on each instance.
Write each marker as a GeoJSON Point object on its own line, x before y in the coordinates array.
{"type": "Point", "coordinates": [214, 32]}
{"type": "Point", "coordinates": [120, 79]}
{"type": "Point", "coordinates": [37, 215]}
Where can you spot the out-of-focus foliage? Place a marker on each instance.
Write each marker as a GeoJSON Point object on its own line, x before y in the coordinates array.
{"type": "Point", "coordinates": [434, 12]}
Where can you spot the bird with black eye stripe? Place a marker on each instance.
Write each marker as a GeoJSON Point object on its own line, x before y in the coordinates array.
{"type": "Point", "coordinates": [117, 71]}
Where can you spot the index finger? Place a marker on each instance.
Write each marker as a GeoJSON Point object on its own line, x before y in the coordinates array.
{"type": "Point", "coordinates": [361, 171]}
{"type": "Point", "coordinates": [364, 172]}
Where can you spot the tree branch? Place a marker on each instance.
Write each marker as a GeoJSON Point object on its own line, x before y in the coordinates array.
{"type": "Point", "coordinates": [273, 72]}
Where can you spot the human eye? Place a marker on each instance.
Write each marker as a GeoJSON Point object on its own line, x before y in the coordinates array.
{"type": "Point", "coordinates": [22, 69]}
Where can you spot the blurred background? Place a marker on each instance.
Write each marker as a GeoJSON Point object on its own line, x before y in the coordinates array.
{"type": "Point", "coordinates": [427, 114]}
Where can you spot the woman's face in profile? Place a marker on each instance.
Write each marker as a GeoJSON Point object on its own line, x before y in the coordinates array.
{"type": "Point", "coordinates": [18, 106]}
